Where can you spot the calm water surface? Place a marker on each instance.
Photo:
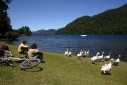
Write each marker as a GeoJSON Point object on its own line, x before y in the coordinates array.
{"type": "Point", "coordinates": [116, 44]}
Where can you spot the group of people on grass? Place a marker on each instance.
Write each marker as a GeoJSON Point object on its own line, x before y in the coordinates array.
{"type": "Point", "coordinates": [30, 51]}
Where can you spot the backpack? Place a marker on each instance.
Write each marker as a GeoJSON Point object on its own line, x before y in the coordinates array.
{"type": "Point", "coordinates": [39, 55]}
{"type": "Point", "coordinates": [2, 53]}
{"type": "Point", "coordinates": [1, 47]}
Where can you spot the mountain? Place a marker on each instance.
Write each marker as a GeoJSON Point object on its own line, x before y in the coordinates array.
{"type": "Point", "coordinates": [42, 31]}
{"type": "Point", "coordinates": [111, 21]}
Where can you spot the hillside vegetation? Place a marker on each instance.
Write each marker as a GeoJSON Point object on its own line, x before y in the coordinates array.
{"type": "Point", "coordinates": [112, 21]}
{"type": "Point", "coordinates": [61, 70]}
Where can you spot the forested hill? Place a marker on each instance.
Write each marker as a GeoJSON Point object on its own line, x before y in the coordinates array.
{"type": "Point", "coordinates": [42, 31]}
{"type": "Point", "coordinates": [112, 21]}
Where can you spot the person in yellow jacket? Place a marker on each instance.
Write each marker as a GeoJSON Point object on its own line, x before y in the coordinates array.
{"type": "Point", "coordinates": [23, 48]}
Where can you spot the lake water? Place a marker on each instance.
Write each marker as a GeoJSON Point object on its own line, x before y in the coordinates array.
{"type": "Point", "coordinates": [116, 44]}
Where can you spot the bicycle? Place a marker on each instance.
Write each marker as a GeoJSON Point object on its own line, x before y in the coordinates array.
{"type": "Point", "coordinates": [26, 62]}
{"type": "Point", "coordinates": [4, 49]}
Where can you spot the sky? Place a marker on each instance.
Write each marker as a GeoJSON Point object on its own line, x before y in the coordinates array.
{"type": "Point", "coordinates": [55, 14]}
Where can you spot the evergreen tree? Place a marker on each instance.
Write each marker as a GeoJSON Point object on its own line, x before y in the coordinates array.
{"type": "Point", "coordinates": [4, 19]}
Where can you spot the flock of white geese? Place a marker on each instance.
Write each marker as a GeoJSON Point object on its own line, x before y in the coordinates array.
{"type": "Point", "coordinates": [106, 67]}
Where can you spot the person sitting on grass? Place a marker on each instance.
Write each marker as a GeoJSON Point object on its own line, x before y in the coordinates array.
{"type": "Point", "coordinates": [23, 48]}
{"type": "Point", "coordinates": [33, 51]}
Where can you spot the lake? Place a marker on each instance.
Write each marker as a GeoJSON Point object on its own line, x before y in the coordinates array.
{"type": "Point", "coordinates": [116, 44]}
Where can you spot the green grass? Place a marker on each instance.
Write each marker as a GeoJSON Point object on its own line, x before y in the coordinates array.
{"type": "Point", "coordinates": [62, 70]}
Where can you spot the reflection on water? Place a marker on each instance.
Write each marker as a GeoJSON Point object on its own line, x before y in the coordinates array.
{"type": "Point", "coordinates": [116, 44]}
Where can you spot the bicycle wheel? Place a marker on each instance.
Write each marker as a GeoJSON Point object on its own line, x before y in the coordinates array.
{"type": "Point", "coordinates": [8, 54]}
{"type": "Point", "coordinates": [30, 63]}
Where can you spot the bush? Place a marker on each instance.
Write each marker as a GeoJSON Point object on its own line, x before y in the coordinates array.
{"type": "Point", "coordinates": [2, 36]}
{"type": "Point", "coordinates": [12, 35]}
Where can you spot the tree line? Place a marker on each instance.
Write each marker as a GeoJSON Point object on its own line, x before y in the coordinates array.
{"type": "Point", "coordinates": [112, 21]}
{"type": "Point", "coordinates": [6, 30]}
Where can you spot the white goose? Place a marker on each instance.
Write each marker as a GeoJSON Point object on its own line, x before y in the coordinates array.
{"type": "Point", "coordinates": [80, 54]}
{"type": "Point", "coordinates": [70, 53]}
{"type": "Point", "coordinates": [107, 57]}
{"type": "Point", "coordinates": [94, 58]}
{"type": "Point", "coordinates": [87, 53]}
{"type": "Point", "coordinates": [66, 52]}
{"type": "Point", "coordinates": [101, 56]}
{"type": "Point", "coordinates": [83, 53]}
{"type": "Point", "coordinates": [106, 67]}
{"type": "Point", "coordinates": [117, 61]}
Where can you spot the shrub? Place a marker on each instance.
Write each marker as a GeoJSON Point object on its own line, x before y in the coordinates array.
{"type": "Point", "coordinates": [12, 35]}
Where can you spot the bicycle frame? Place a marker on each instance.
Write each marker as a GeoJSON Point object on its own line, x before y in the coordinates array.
{"type": "Point", "coordinates": [25, 62]}
{"type": "Point", "coordinates": [9, 60]}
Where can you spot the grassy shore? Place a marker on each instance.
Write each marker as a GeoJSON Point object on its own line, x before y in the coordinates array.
{"type": "Point", "coordinates": [62, 70]}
